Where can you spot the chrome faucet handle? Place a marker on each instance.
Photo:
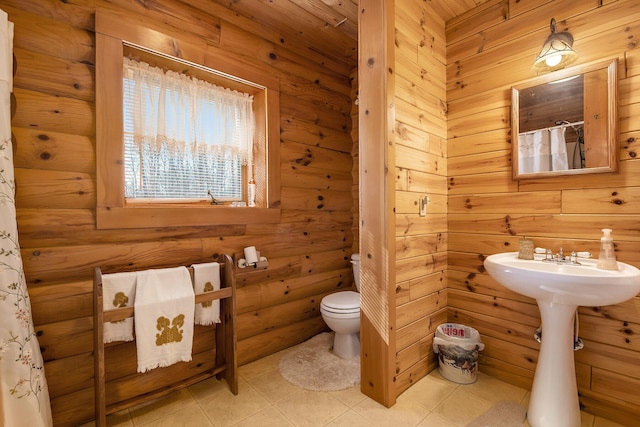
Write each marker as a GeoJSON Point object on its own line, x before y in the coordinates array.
{"type": "Point", "coordinates": [548, 255]}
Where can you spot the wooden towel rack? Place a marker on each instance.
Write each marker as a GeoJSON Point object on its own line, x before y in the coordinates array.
{"type": "Point", "coordinates": [121, 386]}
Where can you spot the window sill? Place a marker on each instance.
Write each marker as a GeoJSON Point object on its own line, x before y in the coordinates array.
{"type": "Point", "coordinates": [153, 217]}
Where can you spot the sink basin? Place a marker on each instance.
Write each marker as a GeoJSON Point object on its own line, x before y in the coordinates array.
{"type": "Point", "coordinates": [582, 285]}
{"type": "Point", "coordinates": [559, 289]}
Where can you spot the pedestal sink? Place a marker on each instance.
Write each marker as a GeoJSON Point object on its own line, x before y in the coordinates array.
{"type": "Point", "coordinates": [559, 289]}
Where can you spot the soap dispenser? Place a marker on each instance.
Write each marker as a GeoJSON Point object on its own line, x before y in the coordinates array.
{"type": "Point", "coordinates": [607, 258]}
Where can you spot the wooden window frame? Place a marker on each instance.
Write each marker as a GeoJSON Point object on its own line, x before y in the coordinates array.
{"type": "Point", "coordinates": [113, 33]}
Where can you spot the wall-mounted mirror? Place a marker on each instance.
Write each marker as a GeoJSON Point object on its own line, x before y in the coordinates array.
{"type": "Point", "coordinates": [565, 122]}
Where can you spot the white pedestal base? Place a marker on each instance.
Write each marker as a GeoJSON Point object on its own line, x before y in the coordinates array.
{"type": "Point", "coordinates": [554, 396]}
{"type": "Point", "coordinates": [346, 346]}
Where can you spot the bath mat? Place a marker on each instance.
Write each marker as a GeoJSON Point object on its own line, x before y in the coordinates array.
{"type": "Point", "coordinates": [502, 414]}
{"type": "Point", "coordinates": [312, 366]}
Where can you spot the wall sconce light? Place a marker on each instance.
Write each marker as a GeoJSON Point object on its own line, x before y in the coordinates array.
{"type": "Point", "coordinates": [557, 51]}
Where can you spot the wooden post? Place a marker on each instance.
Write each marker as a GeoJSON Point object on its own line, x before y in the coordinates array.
{"type": "Point", "coordinates": [377, 187]}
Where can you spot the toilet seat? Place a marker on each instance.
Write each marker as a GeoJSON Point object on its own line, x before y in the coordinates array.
{"type": "Point", "coordinates": [333, 311]}
{"type": "Point", "coordinates": [346, 302]}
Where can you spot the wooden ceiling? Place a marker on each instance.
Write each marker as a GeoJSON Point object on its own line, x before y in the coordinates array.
{"type": "Point", "coordinates": [327, 27]}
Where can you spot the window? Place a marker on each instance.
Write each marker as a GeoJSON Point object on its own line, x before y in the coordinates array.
{"type": "Point", "coordinates": [185, 138]}
{"type": "Point", "coordinates": [193, 168]}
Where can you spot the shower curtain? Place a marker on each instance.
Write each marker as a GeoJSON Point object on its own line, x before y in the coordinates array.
{"type": "Point", "coordinates": [542, 151]}
{"type": "Point", "coordinates": [24, 397]}
{"type": "Point", "coordinates": [559, 159]}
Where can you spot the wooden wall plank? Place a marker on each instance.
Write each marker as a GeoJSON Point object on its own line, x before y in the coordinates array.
{"type": "Point", "coordinates": [612, 358]}
{"type": "Point", "coordinates": [617, 332]}
{"type": "Point", "coordinates": [55, 189]}
{"type": "Point", "coordinates": [56, 76]}
{"type": "Point", "coordinates": [64, 40]}
{"type": "Point", "coordinates": [538, 202]}
{"type": "Point", "coordinates": [615, 385]}
{"type": "Point", "coordinates": [51, 113]}
{"type": "Point", "coordinates": [413, 159]}
{"type": "Point", "coordinates": [413, 311]}
{"type": "Point", "coordinates": [485, 121]}
{"type": "Point", "coordinates": [302, 155]}
{"type": "Point", "coordinates": [487, 14]}
{"type": "Point", "coordinates": [420, 140]}
{"type": "Point", "coordinates": [623, 200]}
{"type": "Point", "coordinates": [482, 163]}
{"type": "Point", "coordinates": [572, 226]}
{"type": "Point", "coordinates": [54, 151]}
{"type": "Point", "coordinates": [461, 183]}
{"type": "Point", "coordinates": [492, 140]}
{"type": "Point", "coordinates": [421, 328]}
{"type": "Point", "coordinates": [423, 244]}
{"type": "Point", "coordinates": [424, 182]}
{"type": "Point", "coordinates": [412, 116]}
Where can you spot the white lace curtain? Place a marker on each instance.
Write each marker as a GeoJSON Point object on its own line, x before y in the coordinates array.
{"type": "Point", "coordinates": [178, 122]}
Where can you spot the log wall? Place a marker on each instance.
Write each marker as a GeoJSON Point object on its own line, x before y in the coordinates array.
{"type": "Point", "coordinates": [420, 171]}
{"type": "Point", "coordinates": [54, 130]}
{"type": "Point", "coordinates": [489, 49]}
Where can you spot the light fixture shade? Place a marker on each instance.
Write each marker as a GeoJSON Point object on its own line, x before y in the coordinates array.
{"type": "Point", "coordinates": [557, 52]}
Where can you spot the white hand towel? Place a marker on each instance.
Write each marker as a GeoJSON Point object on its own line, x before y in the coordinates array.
{"type": "Point", "coordinates": [164, 310]}
{"type": "Point", "coordinates": [206, 278]}
{"type": "Point", "coordinates": [118, 290]}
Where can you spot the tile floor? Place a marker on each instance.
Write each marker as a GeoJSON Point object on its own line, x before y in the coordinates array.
{"type": "Point", "coordinates": [266, 399]}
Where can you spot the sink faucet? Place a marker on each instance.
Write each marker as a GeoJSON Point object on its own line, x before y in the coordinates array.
{"type": "Point", "coordinates": [560, 258]}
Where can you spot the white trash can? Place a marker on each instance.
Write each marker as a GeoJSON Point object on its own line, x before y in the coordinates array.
{"type": "Point", "coordinates": [457, 347]}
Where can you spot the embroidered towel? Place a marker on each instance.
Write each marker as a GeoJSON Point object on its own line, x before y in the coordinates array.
{"type": "Point", "coordinates": [206, 278]}
{"type": "Point", "coordinates": [164, 310]}
{"type": "Point", "coordinates": [118, 290]}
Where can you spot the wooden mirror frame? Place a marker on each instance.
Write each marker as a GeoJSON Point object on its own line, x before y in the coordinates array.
{"type": "Point", "coordinates": [610, 144]}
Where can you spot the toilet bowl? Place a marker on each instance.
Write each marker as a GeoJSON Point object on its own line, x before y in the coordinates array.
{"type": "Point", "coordinates": [341, 312]}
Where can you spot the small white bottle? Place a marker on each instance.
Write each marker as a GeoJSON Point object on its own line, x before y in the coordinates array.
{"type": "Point", "coordinates": [251, 193]}
{"type": "Point", "coordinates": [607, 257]}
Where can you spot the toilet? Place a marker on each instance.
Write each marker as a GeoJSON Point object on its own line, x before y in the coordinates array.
{"type": "Point", "coordinates": [341, 312]}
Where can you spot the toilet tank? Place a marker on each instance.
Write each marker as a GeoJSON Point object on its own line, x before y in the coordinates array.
{"type": "Point", "coordinates": [355, 262]}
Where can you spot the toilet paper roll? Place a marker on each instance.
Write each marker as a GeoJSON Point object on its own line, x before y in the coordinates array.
{"type": "Point", "coordinates": [251, 255]}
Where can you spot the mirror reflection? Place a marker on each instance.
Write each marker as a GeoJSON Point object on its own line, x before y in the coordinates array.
{"type": "Point", "coordinates": [565, 122]}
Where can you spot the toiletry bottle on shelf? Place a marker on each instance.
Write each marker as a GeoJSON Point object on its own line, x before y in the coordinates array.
{"type": "Point", "coordinates": [251, 193]}
{"type": "Point", "coordinates": [607, 258]}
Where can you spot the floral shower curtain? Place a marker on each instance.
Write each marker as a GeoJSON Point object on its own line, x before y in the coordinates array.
{"type": "Point", "coordinates": [24, 397]}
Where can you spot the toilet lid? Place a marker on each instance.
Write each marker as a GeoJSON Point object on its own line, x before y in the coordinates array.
{"type": "Point", "coordinates": [342, 301]}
